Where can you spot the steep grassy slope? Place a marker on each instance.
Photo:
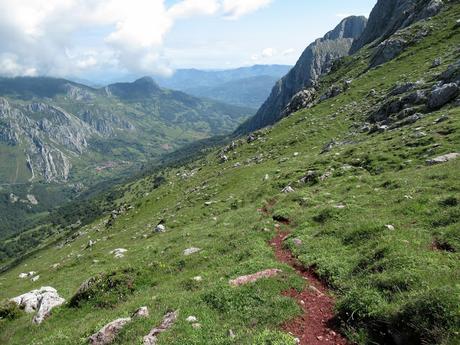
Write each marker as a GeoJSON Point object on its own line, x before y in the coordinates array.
{"type": "Point", "coordinates": [394, 284]}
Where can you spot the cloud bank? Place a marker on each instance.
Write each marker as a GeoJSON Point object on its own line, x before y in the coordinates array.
{"type": "Point", "coordinates": [68, 37]}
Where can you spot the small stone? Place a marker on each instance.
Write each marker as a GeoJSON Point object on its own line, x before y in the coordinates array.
{"type": "Point", "coordinates": [441, 119]}
{"type": "Point", "coordinates": [297, 241]}
{"type": "Point", "coordinates": [443, 159]}
{"type": "Point", "coordinates": [190, 251]}
{"type": "Point", "coordinates": [390, 227]}
{"type": "Point", "coordinates": [296, 154]}
{"type": "Point", "coordinates": [436, 63]}
{"type": "Point", "coordinates": [198, 278]}
{"type": "Point", "coordinates": [160, 228]}
{"type": "Point", "coordinates": [231, 334]}
{"type": "Point", "coordinates": [191, 319]}
{"type": "Point", "coordinates": [34, 279]}
{"type": "Point", "coordinates": [109, 332]}
{"type": "Point", "coordinates": [287, 190]}
{"type": "Point", "coordinates": [266, 177]}
{"type": "Point", "coordinates": [119, 252]}
{"type": "Point", "coordinates": [141, 312]}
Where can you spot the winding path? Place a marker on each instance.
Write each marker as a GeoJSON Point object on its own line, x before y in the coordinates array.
{"type": "Point", "coordinates": [316, 325]}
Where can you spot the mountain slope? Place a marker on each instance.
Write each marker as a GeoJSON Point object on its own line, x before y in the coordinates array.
{"type": "Point", "coordinates": [316, 60]}
{"type": "Point", "coordinates": [374, 212]}
{"type": "Point", "coordinates": [246, 86]}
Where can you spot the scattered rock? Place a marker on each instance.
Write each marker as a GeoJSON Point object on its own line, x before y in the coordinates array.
{"type": "Point", "coordinates": [266, 177]}
{"type": "Point", "coordinates": [436, 63]}
{"type": "Point", "coordinates": [109, 332]}
{"type": "Point", "coordinates": [287, 190]}
{"type": "Point", "coordinates": [191, 251]}
{"type": "Point", "coordinates": [231, 334]}
{"type": "Point", "coordinates": [457, 24]}
{"type": "Point", "coordinates": [119, 252]}
{"type": "Point", "coordinates": [443, 158]}
{"type": "Point", "coordinates": [311, 177]}
{"type": "Point", "coordinates": [26, 275]}
{"type": "Point", "coordinates": [297, 242]}
{"type": "Point", "coordinates": [168, 321]}
{"type": "Point", "coordinates": [301, 100]}
{"type": "Point", "coordinates": [441, 119]}
{"type": "Point", "coordinates": [451, 74]}
{"type": "Point", "coordinates": [141, 312]}
{"type": "Point", "coordinates": [403, 88]}
{"type": "Point", "coordinates": [242, 280]}
{"type": "Point", "coordinates": [198, 278]}
{"type": "Point", "coordinates": [42, 301]}
{"type": "Point", "coordinates": [388, 50]}
{"type": "Point", "coordinates": [390, 227]}
{"type": "Point", "coordinates": [442, 95]}
{"type": "Point", "coordinates": [191, 319]}
{"type": "Point", "coordinates": [35, 278]}
{"type": "Point", "coordinates": [407, 121]}
{"type": "Point", "coordinates": [160, 228]}
{"type": "Point", "coordinates": [251, 138]}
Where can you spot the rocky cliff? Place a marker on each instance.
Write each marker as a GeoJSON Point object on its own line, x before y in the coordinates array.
{"type": "Point", "coordinates": [389, 16]}
{"type": "Point", "coordinates": [315, 61]}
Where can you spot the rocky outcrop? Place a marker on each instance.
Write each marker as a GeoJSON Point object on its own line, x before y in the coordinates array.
{"type": "Point", "coordinates": [168, 321]}
{"type": "Point", "coordinates": [41, 301]}
{"type": "Point", "coordinates": [243, 280]}
{"type": "Point", "coordinates": [315, 61]}
{"type": "Point", "coordinates": [301, 100]}
{"type": "Point", "coordinates": [442, 95]}
{"type": "Point", "coordinates": [389, 16]}
{"type": "Point", "coordinates": [109, 332]}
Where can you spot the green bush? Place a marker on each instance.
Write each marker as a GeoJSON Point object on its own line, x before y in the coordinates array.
{"type": "Point", "coordinates": [9, 310]}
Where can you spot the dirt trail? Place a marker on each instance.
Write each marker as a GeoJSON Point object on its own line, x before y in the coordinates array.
{"type": "Point", "coordinates": [316, 325]}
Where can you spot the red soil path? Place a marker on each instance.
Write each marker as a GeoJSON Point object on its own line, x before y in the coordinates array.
{"type": "Point", "coordinates": [315, 325]}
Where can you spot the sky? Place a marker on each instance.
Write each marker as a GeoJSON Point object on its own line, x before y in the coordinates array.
{"type": "Point", "coordinates": [98, 40]}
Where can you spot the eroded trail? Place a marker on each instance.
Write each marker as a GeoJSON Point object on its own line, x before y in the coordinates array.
{"type": "Point", "coordinates": [316, 325]}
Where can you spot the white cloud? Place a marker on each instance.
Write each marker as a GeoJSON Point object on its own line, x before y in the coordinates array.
{"type": "Point", "coordinates": [288, 52]}
{"type": "Point", "coordinates": [50, 37]}
{"type": "Point", "coordinates": [234, 9]}
{"type": "Point", "coordinates": [268, 52]}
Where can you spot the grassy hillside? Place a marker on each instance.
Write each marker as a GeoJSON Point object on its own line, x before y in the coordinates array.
{"type": "Point", "coordinates": [375, 221]}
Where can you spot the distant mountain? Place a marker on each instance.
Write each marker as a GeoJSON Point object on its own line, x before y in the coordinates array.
{"type": "Point", "coordinates": [54, 131]}
{"type": "Point", "coordinates": [247, 92]}
{"type": "Point", "coordinates": [316, 60]}
{"type": "Point", "coordinates": [245, 86]}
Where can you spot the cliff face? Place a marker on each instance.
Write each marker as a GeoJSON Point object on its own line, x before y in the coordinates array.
{"type": "Point", "coordinates": [388, 16]}
{"type": "Point", "coordinates": [315, 61]}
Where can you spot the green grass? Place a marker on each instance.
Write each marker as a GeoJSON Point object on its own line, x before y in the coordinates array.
{"type": "Point", "coordinates": [389, 284]}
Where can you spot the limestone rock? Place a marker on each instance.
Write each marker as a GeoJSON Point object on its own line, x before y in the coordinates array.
{"type": "Point", "coordinates": [41, 301]}
{"type": "Point", "coordinates": [443, 159]}
{"type": "Point", "coordinates": [168, 321]}
{"type": "Point", "coordinates": [442, 95]}
{"type": "Point", "coordinates": [109, 332]}
{"type": "Point", "coordinates": [287, 190]}
{"type": "Point", "coordinates": [141, 312]}
{"type": "Point", "coordinates": [190, 251]}
{"type": "Point", "coordinates": [242, 280]}
{"type": "Point", "coordinates": [119, 252]}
